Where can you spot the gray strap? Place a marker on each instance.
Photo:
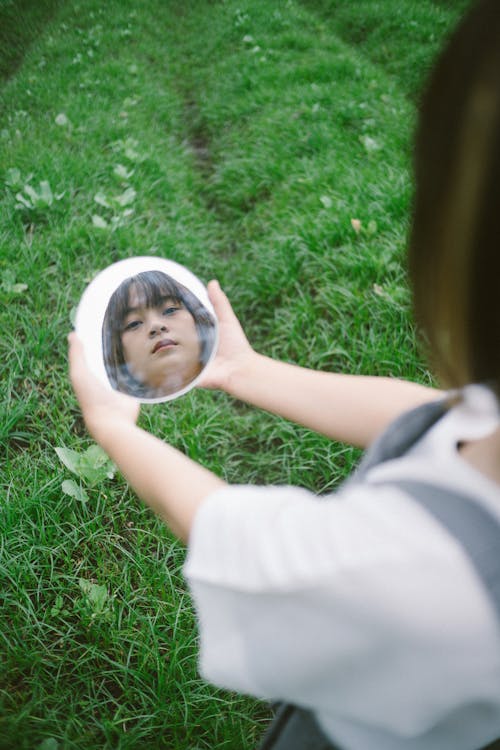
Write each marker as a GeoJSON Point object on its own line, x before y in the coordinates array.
{"type": "Point", "coordinates": [401, 435]}
{"type": "Point", "coordinates": [475, 528]}
{"type": "Point", "coordinates": [295, 728]}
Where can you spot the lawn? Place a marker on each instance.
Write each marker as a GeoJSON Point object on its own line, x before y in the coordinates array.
{"type": "Point", "coordinates": [265, 144]}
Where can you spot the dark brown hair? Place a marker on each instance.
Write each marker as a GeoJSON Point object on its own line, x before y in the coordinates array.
{"type": "Point", "coordinates": [152, 287]}
{"type": "Point", "coordinates": [455, 237]}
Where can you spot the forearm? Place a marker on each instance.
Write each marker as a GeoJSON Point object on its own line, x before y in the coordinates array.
{"type": "Point", "coordinates": [172, 484]}
{"type": "Point", "coordinates": [349, 408]}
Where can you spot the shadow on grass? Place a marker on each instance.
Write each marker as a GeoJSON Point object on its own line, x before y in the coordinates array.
{"type": "Point", "coordinates": [21, 22]}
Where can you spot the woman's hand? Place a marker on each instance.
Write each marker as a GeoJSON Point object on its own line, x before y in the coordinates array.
{"type": "Point", "coordinates": [101, 407]}
{"type": "Point", "coordinates": [234, 352]}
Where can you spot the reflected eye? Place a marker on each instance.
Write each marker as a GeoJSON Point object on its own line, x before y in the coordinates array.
{"type": "Point", "coordinates": [170, 310]}
{"type": "Point", "coordinates": [132, 325]}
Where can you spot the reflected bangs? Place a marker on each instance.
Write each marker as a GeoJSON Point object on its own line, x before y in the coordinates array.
{"type": "Point", "coordinates": [152, 289]}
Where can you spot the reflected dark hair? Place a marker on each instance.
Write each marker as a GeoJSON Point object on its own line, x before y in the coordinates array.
{"type": "Point", "coordinates": [455, 236]}
{"type": "Point", "coordinates": [152, 288]}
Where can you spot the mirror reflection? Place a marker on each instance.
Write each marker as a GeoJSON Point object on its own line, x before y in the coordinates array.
{"type": "Point", "coordinates": [147, 327]}
{"type": "Point", "coordinates": [157, 336]}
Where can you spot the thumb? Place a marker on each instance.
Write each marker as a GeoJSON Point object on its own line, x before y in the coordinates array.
{"type": "Point", "coordinates": [75, 349]}
{"type": "Point", "coordinates": [77, 363]}
{"type": "Point", "coordinates": [219, 300]}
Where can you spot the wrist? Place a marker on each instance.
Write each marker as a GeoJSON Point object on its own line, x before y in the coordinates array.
{"type": "Point", "coordinates": [243, 374]}
{"type": "Point", "coordinates": [103, 426]}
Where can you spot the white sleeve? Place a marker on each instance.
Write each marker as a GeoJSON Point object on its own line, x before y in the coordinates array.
{"type": "Point", "coordinates": [318, 601]}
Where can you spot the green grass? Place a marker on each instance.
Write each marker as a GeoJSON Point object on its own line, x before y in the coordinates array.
{"type": "Point", "coordinates": [401, 38]}
{"type": "Point", "coordinates": [21, 22]}
{"type": "Point", "coordinates": [254, 135]}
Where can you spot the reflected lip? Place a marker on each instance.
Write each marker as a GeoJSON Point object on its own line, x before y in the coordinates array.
{"type": "Point", "coordinates": [163, 344]}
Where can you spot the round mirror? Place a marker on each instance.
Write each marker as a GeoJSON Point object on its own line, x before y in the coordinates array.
{"type": "Point", "coordinates": [148, 328]}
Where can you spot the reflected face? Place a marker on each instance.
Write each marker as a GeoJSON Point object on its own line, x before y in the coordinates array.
{"type": "Point", "coordinates": [160, 344]}
{"type": "Point", "coordinates": [156, 335]}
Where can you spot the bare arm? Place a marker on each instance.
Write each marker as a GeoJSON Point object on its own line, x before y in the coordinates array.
{"type": "Point", "coordinates": [166, 479]}
{"type": "Point", "coordinates": [349, 408]}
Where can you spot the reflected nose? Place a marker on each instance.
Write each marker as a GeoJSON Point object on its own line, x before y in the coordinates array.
{"type": "Point", "coordinates": [157, 325]}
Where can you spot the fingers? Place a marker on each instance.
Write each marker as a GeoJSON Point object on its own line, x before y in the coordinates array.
{"type": "Point", "coordinates": [76, 355]}
{"type": "Point", "coordinates": [73, 349]}
{"type": "Point", "coordinates": [75, 344]}
{"type": "Point", "coordinates": [72, 337]}
{"type": "Point", "coordinates": [79, 373]}
{"type": "Point", "coordinates": [219, 300]}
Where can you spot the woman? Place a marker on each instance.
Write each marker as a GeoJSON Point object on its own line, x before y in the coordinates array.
{"type": "Point", "coordinates": [363, 609]}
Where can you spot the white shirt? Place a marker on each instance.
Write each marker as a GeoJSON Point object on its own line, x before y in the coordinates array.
{"type": "Point", "coordinates": [358, 605]}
